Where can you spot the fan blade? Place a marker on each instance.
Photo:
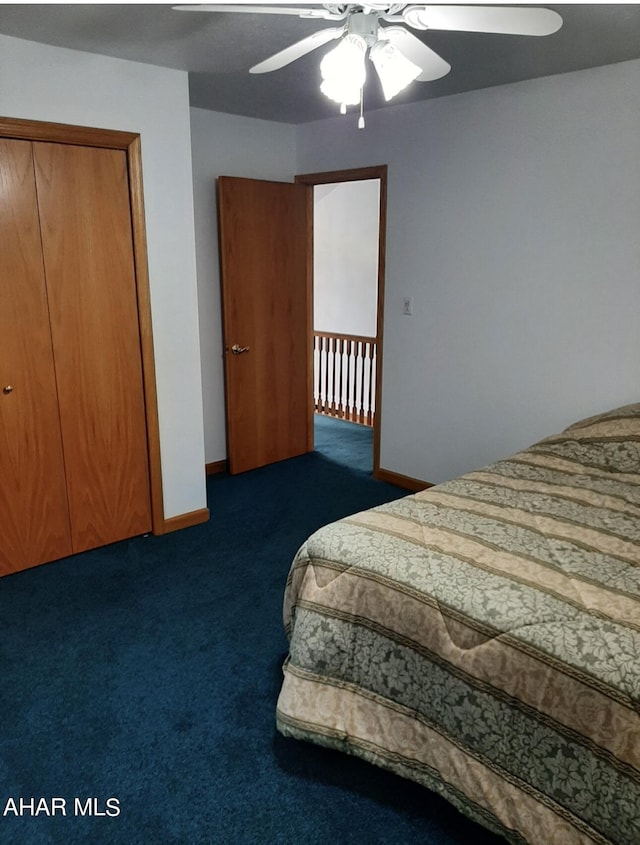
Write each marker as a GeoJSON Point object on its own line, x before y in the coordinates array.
{"type": "Point", "coordinates": [322, 14]}
{"type": "Point", "coordinates": [433, 66]}
{"type": "Point", "coordinates": [258, 4]}
{"type": "Point", "coordinates": [496, 19]}
{"type": "Point", "coordinates": [297, 50]}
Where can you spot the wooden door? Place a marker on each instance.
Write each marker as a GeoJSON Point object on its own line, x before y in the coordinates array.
{"type": "Point", "coordinates": [83, 199]}
{"type": "Point", "coordinates": [34, 517]}
{"type": "Point", "coordinates": [266, 320]}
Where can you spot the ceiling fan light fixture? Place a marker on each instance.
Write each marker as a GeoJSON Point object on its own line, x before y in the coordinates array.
{"type": "Point", "coordinates": [343, 71]}
{"type": "Point", "coordinates": [395, 70]}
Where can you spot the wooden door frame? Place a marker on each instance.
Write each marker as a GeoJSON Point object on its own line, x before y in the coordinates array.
{"type": "Point", "coordinates": [355, 175]}
{"type": "Point", "coordinates": [129, 142]}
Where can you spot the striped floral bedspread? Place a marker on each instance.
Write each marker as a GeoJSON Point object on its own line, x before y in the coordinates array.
{"type": "Point", "coordinates": [483, 638]}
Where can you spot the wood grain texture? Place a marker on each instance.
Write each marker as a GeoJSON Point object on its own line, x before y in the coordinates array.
{"type": "Point", "coordinates": [129, 142]}
{"type": "Point", "coordinates": [382, 263]}
{"type": "Point", "coordinates": [263, 227]}
{"type": "Point", "coordinates": [63, 133]}
{"type": "Point", "coordinates": [83, 198]}
{"type": "Point", "coordinates": [186, 520]}
{"type": "Point", "coordinates": [134, 158]}
{"type": "Point", "coordinates": [34, 517]}
{"type": "Point", "coordinates": [374, 171]}
{"type": "Point", "coordinates": [309, 241]}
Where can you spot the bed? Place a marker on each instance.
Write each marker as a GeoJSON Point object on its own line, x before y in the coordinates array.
{"type": "Point", "coordinates": [482, 638]}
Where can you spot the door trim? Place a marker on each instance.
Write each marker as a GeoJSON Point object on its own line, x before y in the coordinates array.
{"type": "Point", "coordinates": [129, 142]}
{"type": "Point", "coordinates": [356, 175]}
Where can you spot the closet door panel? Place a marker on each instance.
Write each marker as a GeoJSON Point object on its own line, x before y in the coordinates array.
{"type": "Point", "coordinates": [83, 197]}
{"type": "Point", "coordinates": [34, 517]}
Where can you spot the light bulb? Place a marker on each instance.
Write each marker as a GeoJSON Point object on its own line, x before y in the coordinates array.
{"type": "Point", "coordinates": [343, 71]}
{"type": "Point", "coordinates": [395, 70]}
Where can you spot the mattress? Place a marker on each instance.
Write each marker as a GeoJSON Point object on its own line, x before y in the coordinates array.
{"type": "Point", "coordinates": [482, 638]}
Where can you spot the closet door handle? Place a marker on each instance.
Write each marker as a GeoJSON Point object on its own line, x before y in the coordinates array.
{"type": "Point", "coordinates": [238, 350]}
{"type": "Point", "coordinates": [7, 389]}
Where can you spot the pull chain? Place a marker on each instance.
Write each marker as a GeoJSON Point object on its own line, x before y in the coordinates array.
{"type": "Point", "coordinates": [361, 118]}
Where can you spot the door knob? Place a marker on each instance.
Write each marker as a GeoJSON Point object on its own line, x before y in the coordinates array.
{"type": "Point", "coordinates": [238, 350]}
{"type": "Point", "coordinates": [7, 389]}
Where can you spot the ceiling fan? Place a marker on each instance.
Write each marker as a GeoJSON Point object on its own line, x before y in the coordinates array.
{"type": "Point", "coordinates": [380, 29]}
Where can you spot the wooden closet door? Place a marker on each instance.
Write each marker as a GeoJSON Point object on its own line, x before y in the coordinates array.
{"type": "Point", "coordinates": [83, 198]}
{"type": "Point", "coordinates": [34, 517]}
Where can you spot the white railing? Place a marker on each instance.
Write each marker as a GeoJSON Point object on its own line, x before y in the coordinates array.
{"type": "Point", "coordinates": [345, 376]}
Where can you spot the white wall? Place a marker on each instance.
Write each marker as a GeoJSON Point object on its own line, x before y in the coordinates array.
{"type": "Point", "coordinates": [39, 82]}
{"type": "Point", "coordinates": [514, 223]}
{"type": "Point", "coordinates": [226, 145]}
{"type": "Point", "coordinates": [345, 257]}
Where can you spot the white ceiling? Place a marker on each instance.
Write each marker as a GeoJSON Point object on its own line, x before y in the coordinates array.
{"type": "Point", "coordinates": [218, 50]}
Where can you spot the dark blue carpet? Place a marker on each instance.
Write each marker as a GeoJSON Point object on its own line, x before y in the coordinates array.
{"type": "Point", "coordinates": [148, 672]}
{"type": "Point", "coordinates": [344, 442]}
